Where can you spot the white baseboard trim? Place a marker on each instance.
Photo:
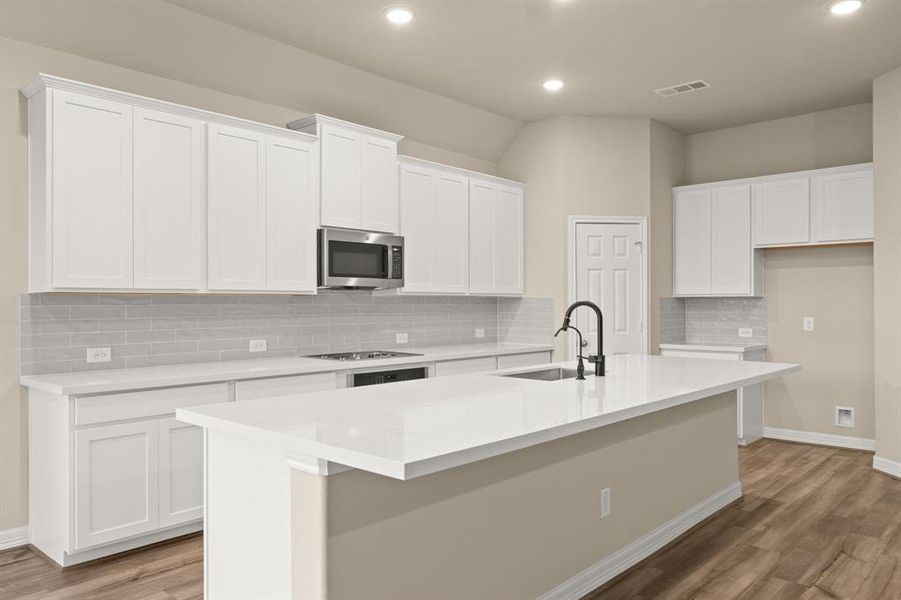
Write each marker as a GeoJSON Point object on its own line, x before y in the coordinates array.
{"type": "Point", "coordinates": [10, 538]}
{"type": "Point", "coordinates": [820, 439]}
{"type": "Point", "coordinates": [889, 467]}
{"type": "Point", "coordinates": [606, 569]}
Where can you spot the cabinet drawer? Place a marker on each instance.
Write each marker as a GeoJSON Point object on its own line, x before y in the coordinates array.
{"type": "Point", "coordinates": [282, 386]}
{"type": "Point", "coordinates": [467, 365]}
{"type": "Point", "coordinates": [149, 403]}
{"type": "Point", "coordinates": [523, 360]}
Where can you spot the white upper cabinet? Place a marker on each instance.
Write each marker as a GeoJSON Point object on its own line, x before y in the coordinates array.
{"type": "Point", "coordinates": [712, 252]}
{"type": "Point", "coordinates": [168, 201]}
{"type": "Point", "coordinates": [236, 209]}
{"type": "Point", "coordinates": [127, 192]}
{"type": "Point", "coordinates": [843, 206]}
{"type": "Point", "coordinates": [378, 178]}
{"type": "Point", "coordinates": [435, 224]}
{"type": "Point", "coordinates": [782, 212]}
{"type": "Point", "coordinates": [732, 251]}
{"type": "Point", "coordinates": [692, 243]}
{"type": "Point", "coordinates": [291, 215]}
{"type": "Point", "coordinates": [358, 174]}
{"type": "Point", "coordinates": [91, 192]}
{"type": "Point", "coordinates": [495, 238]}
{"type": "Point", "coordinates": [826, 206]}
{"type": "Point", "coordinates": [719, 229]}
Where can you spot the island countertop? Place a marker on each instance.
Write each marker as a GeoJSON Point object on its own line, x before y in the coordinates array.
{"type": "Point", "coordinates": [414, 428]}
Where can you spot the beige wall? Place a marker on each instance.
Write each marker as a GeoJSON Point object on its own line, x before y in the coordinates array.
{"type": "Point", "coordinates": [159, 38]}
{"type": "Point", "coordinates": [830, 138]}
{"type": "Point", "coordinates": [19, 63]}
{"type": "Point", "coordinates": [592, 166]}
{"type": "Point", "coordinates": [667, 171]}
{"type": "Point", "coordinates": [833, 285]}
{"type": "Point", "coordinates": [887, 263]}
{"type": "Point", "coordinates": [535, 512]}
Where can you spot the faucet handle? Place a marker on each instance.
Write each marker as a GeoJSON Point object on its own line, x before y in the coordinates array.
{"type": "Point", "coordinates": [593, 358]}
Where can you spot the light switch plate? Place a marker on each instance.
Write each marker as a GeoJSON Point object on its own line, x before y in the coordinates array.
{"type": "Point", "coordinates": [745, 332]}
{"type": "Point", "coordinates": [605, 502]}
{"type": "Point", "coordinates": [257, 346]}
{"type": "Point", "coordinates": [401, 338]}
{"type": "Point", "coordinates": [480, 333]}
{"type": "Point", "coordinates": [98, 355]}
{"type": "Point", "coordinates": [808, 323]}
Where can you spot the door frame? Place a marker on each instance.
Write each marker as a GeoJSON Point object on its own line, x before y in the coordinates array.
{"type": "Point", "coordinates": [642, 222]}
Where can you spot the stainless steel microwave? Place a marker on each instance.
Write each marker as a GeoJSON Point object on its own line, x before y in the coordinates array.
{"type": "Point", "coordinates": [360, 259]}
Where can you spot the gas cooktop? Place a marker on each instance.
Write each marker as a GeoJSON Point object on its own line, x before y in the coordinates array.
{"type": "Point", "coordinates": [364, 355]}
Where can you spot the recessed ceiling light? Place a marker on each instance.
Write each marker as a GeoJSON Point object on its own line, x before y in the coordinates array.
{"type": "Point", "coordinates": [844, 7]}
{"type": "Point", "coordinates": [552, 85]}
{"type": "Point", "coordinates": [399, 15]}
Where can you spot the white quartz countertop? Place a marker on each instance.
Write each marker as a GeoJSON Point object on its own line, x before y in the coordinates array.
{"type": "Point", "coordinates": [409, 429]}
{"type": "Point", "coordinates": [715, 347]}
{"type": "Point", "coordinates": [96, 382]}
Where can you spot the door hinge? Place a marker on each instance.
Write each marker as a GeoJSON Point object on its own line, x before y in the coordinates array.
{"type": "Point", "coordinates": [640, 246]}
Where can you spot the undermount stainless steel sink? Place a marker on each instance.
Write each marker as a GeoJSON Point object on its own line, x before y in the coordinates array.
{"type": "Point", "coordinates": [544, 374]}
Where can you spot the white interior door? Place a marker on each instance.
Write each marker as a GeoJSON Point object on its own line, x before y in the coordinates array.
{"type": "Point", "coordinates": [608, 272]}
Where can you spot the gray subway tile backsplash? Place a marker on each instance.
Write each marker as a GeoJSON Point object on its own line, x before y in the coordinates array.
{"type": "Point", "coordinates": [168, 329]}
{"type": "Point", "coordinates": [712, 320]}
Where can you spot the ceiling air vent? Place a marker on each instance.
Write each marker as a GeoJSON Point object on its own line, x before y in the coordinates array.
{"type": "Point", "coordinates": [682, 88]}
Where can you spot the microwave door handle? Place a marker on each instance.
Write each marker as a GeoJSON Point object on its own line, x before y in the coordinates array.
{"type": "Point", "coordinates": [387, 262]}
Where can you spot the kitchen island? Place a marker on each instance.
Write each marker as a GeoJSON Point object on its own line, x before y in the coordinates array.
{"type": "Point", "coordinates": [472, 486]}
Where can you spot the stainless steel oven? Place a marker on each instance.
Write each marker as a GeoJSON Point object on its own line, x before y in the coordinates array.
{"type": "Point", "coordinates": [360, 259]}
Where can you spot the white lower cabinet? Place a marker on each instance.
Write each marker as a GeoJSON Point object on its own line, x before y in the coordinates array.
{"type": "Point", "coordinates": [116, 485]}
{"type": "Point", "coordinates": [749, 425]}
{"type": "Point", "coordinates": [180, 472]}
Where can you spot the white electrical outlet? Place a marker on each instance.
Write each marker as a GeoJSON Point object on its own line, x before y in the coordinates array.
{"type": "Point", "coordinates": [844, 417]}
{"type": "Point", "coordinates": [745, 332]}
{"type": "Point", "coordinates": [605, 502]}
{"type": "Point", "coordinates": [401, 338]}
{"type": "Point", "coordinates": [257, 346]}
{"type": "Point", "coordinates": [480, 333]}
{"type": "Point", "coordinates": [96, 355]}
{"type": "Point", "coordinates": [808, 323]}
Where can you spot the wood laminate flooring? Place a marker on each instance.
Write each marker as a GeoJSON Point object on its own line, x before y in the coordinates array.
{"type": "Point", "coordinates": [814, 523]}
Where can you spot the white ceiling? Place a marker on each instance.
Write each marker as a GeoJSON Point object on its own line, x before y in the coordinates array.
{"type": "Point", "coordinates": [764, 59]}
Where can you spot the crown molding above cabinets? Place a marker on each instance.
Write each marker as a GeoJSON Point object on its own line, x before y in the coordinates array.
{"type": "Point", "coordinates": [720, 229]}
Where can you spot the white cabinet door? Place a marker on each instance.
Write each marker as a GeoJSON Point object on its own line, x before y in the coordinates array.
{"type": "Point", "coordinates": [481, 237]}
{"type": "Point", "coordinates": [692, 247]}
{"type": "Point", "coordinates": [341, 177]}
{"type": "Point", "coordinates": [180, 472]}
{"type": "Point", "coordinates": [508, 246]}
{"type": "Point", "coordinates": [236, 209]}
{"type": "Point", "coordinates": [378, 180]}
{"type": "Point", "coordinates": [451, 237]}
{"type": "Point", "coordinates": [843, 206]}
{"type": "Point", "coordinates": [732, 240]}
{"type": "Point", "coordinates": [418, 227]}
{"type": "Point", "coordinates": [92, 192]}
{"type": "Point", "coordinates": [291, 215]}
{"type": "Point", "coordinates": [116, 482]}
{"type": "Point", "coordinates": [168, 201]}
{"type": "Point", "coordinates": [782, 212]}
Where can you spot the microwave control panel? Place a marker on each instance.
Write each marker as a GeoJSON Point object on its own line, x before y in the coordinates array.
{"type": "Point", "coordinates": [397, 262]}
